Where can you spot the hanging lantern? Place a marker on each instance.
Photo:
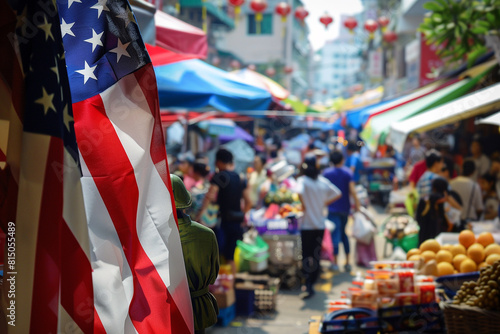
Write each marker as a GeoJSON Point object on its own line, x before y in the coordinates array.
{"type": "Point", "coordinates": [300, 14]}
{"type": "Point", "coordinates": [309, 93]}
{"type": "Point", "coordinates": [216, 61]}
{"type": "Point", "coordinates": [383, 22]}
{"type": "Point", "coordinates": [258, 6]}
{"type": "Point", "coordinates": [288, 69]}
{"type": "Point", "coordinates": [351, 23]}
{"type": "Point", "coordinates": [235, 64]}
{"type": "Point", "coordinates": [270, 72]}
{"type": "Point", "coordinates": [237, 6]}
{"type": "Point", "coordinates": [283, 9]}
{"type": "Point", "coordinates": [390, 36]}
{"type": "Point", "coordinates": [371, 26]}
{"type": "Point", "coordinates": [324, 91]}
{"type": "Point", "coordinates": [252, 67]}
{"type": "Point", "coordinates": [326, 20]}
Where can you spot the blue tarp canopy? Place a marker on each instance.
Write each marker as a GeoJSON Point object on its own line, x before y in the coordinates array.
{"type": "Point", "coordinates": [194, 84]}
{"type": "Point", "coordinates": [357, 118]}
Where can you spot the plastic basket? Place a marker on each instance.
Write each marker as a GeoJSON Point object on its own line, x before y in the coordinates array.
{"type": "Point", "coordinates": [465, 319]}
{"type": "Point", "coordinates": [424, 318]}
{"type": "Point", "coordinates": [253, 252]}
{"type": "Point", "coordinates": [355, 320]}
{"type": "Point", "coordinates": [450, 284]}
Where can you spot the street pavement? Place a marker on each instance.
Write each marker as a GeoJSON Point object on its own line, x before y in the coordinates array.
{"type": "Point", "coordinates": [292, 313]}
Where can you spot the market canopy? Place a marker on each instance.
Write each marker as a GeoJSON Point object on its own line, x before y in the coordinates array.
{"type": "Point", "coordinates": [477, 103]}
{"type": "Point", "coordinates": [256, 79]}
{"type": "Point", "coordinates": [179, 36]}
{"type": "Point", "coordinates": [185, 82]}
{"type": "Point", "coordinates": [378, 126]}
{"type": "Point", "coordinates": [493, 120]}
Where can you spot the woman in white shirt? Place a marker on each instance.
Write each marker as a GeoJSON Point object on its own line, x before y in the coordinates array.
{"type": "Point", "coordinates": [315, 193]}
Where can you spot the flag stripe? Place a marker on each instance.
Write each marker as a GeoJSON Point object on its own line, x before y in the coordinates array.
{"type": "Point", "coordinates": [158, 228]}
{"type": "Point", "coordinates": [47, 263]}
{"type": "Point", "coordinates": [113, 174]}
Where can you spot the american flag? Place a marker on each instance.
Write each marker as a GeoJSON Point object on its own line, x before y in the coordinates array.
{"type": "Point", "coordinates": [98, 247]}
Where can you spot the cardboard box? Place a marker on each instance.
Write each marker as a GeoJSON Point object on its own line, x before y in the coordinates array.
{"type": "Point", "coordinates": [225, 299]}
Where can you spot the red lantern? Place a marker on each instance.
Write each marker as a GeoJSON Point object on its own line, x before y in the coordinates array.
{"type": "Point", "coordinates": [326, 20]}
{"type": "Point", "coordinates": [390, 36]}
{"type": "Point", "coordinates": [237, 6]}
{"type": "Point", "coordinates": [350, 23]}
{"type": "Point", "coordinates": [309, 93]}
{"type": "Point", "coordinates": [383, 22]}
{"type": "Point", "coordinates": [258, 6]}
{"type": "Point", "coordinates": [300, 14]}
{"type": "Point", "coordinates": [371, 26]}
{"type": "Point", "coordinates": [324, 91]}
{"type": "Point", "coordinates": [235, 64]}
{"type": "Point", "coordinates": [283, 9]}
{"type": "Point", "coordinates": [252, 67]}
{"type": "Point", "coordinates": [288, 69]}
{"type": "Point", "coordinates": [270, 72]}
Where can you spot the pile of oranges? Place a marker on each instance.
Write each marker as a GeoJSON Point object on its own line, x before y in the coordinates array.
{"type": "Point", "coordinates": [469, 255]}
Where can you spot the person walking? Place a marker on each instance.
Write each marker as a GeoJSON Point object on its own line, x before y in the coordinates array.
{"type": "Point", "coordinates": [230, 190]}
{"type": "Point", "coordinates": [338, 212]}
{"type": "Point", "coordinates": [469, 191]}
{"type": "Point", "coordinates": [257, 177]}
{"type": "Point", "coordinates": [434, 164]}
{"type": "Point", "coordinates": [315, 193]}
{"type": "Point", "coordinates": [487, 183]}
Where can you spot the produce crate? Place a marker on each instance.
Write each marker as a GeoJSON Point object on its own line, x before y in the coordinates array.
{"type": "Point", "coordinates": [424, 318]}
{"type": "Point", "coordinates": [226, 315]}
{"type": "Point", "coordinates": [450, 284]}
{"type": "Point", "coordinates": [355, 320]}
{"type": "Point", "coordinates": [266, 299]}
{"type": "Point", "coordinates": [466, 319]}
{"type": "Point", "coordinates": [284, 250]}
{"type": "Point", "coordinates": [263, 295]}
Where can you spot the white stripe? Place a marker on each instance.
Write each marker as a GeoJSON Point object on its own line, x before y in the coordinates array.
{"type": "Point", "coordinates": [128, 111]}
{"type": "Point", "coordinates": [35, 149]}
{"type": "Point", "coordinates": [111, 275]}
{"type": "Point", "coordinates": [73, 206]}
{"type": "Point", "coordinates": [65, 324]}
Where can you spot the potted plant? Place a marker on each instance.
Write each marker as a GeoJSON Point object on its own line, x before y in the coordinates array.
{"type": "Point", "coordinates": [463, 28]}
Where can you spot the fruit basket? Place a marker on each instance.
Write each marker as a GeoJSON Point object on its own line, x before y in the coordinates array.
{"type": "Point", "coordinates": [463, 319]}
{"type": "Point", "coordinates": [450, 284]}
{"type": "Point", "coordinates": [401, 230]}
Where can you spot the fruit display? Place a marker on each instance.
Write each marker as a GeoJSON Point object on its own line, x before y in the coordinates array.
{"type": "Point", "coordinates": [470, 255]}
{"type": "Point", "coordinates": [399, 226]}
{"type": "Point", "coordinates": [281, 196]}
{"type": "Point", "coordinates": [485, 292]}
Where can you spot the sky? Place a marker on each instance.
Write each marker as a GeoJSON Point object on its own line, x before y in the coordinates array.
{"type": "Point", "coordinates": [316, 8]}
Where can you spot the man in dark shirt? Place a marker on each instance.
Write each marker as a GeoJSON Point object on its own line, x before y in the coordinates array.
{"type": "Point", "coordinates": [230, 189]}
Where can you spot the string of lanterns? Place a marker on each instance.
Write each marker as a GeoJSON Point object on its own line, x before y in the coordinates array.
{"type": "Point", "coordinates": [371, 27]}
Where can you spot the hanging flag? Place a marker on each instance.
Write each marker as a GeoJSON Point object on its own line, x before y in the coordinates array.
{"type": "Point", "coordinates": [98, 249]}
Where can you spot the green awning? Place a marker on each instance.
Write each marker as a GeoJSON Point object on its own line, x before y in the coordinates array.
{"type": "Point", "coordinates": [378, 127]}
{"type": "Point", "coordinates": [212, 9]}
{"type": "Point", "coordinates": [298, 106]}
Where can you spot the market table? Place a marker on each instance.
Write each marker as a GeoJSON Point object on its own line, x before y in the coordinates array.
{"type": "Point", "coordinates": [314, 323]}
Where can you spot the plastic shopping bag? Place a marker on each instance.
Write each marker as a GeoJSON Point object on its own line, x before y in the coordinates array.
{"type": "Point", "coordinates": [363, 229]}
{"type": "Point", "coordinates": [327, 246]}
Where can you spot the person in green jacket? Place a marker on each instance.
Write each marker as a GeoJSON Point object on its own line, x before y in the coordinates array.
{"type": "Point", "coordinates": [201, 258]}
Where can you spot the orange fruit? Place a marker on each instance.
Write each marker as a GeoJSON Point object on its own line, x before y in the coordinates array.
{"type": "Point", "coordinates": [493, 258]}
{"type": "Point", "coordinates": [457, 260]}
{"type": "Point", "coordinates": [485, 239]}
{"type": "Point", "coordinates": [411, 252]}
{"type": "Point", "coordinates": [476, 252]}
{"type": "Point", "coordinates": [482, 265]}
{"type": "Point", "coordinates": [428, 255]}
{"type": "Point", "coordinates": [466, 238]}
{"type": "Point", "coordinates": [444, 256]}
{"type": "Point", "coordinates": [446, 247]}
{"type": "Point", "coordinates": [430, 245]}
{"type": "Point", "coordinates": [468, 266]}
{"type": "Point", "coordinates": [458, 249]}
{"type": "Point", "coordinates": [445, 268]}
{"type": "Point", "coordinates": [492, 249]}
{"type": "Point", "coordinates": [415, 258]}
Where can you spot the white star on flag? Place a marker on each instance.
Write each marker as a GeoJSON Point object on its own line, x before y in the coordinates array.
{"type": "Point", "coordinates": [120, 50]}
{"type": "Point", "coordinates": [67, 117]}
{"type": "Point", "coordinates": [70, 2]}
{"type": "Point", "coordinates": [66, 28]}
{"type": "Point", "coordinates": [87, 72]}
{"type": "Point", "coordinates": [126, 16]}
{"type": "Point", "coordinates": [95, 39]}
{"type": "Point", "coordinates": [46, 27]}
{"type": "Point", "coordinates": [46, 101]}
{"type": "Point", "coordinates": [100, 6]}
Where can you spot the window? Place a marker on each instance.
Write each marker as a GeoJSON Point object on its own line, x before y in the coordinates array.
{"type": "Point", "coordinates": [266, 25]}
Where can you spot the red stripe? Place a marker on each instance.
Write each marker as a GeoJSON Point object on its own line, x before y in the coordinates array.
{"type": "Point", "coordinates": [114, 177]}
{"type": "Point", "coordinates": [413, 99]}
{"type": "Point", "coordinates": [146, 75]}
{"type": "Point", "coordinates": [45, 302]}
{"type": "Point", "coordinates": [77, 296]}
{"type": "Point", "coordinates": [98, 326]}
